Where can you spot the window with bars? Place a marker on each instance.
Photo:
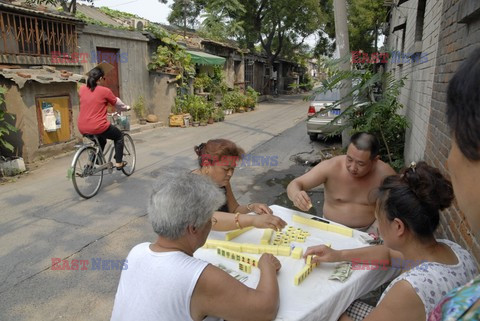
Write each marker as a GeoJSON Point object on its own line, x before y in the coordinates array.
{"type": "Point", "coordinates": [249, 73]}
{"type": "Point", "coordinates": [27, 35]}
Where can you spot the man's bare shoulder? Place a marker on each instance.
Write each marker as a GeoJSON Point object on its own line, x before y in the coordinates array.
{"type": "Point", "coordinates": [330, 164]}
{"type": "Point", "coordinates": [334, 161]}
{"type": "Point", "coordinates": [384, 169]}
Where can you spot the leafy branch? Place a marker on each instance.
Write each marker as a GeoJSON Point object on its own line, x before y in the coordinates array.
{"type": "Point", "coordinates": [372, 106]}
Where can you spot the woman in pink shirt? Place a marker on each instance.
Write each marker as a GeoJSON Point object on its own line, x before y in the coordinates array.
{"type": "Point", "coordinates": [92, 119]}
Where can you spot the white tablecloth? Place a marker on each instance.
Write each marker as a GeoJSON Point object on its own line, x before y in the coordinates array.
{"type": "Point", "coordinates": [316, 298]}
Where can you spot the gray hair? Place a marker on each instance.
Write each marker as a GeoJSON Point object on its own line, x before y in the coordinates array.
{"type": "Point", "coordinates": [180, 199]}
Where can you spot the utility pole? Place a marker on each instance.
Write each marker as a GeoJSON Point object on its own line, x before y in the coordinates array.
{"type": "Point", "coordinates": [341, 37]}
{"type": "Point", "coordinates": [184, 19]}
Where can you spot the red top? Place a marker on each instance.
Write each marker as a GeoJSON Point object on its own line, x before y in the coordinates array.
{"type": "Point", "coordinates": [93, 109]}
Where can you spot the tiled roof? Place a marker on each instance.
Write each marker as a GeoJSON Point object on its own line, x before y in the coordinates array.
{"type": "Point", "coordinates": [41, 74]}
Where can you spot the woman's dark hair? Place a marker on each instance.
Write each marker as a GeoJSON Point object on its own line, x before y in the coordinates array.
{"type": "Point", "coordinates": [217, 150]}
{"type": "Point", "coordinates": [93, 76]}
{"type": "Point", "coordinates": [416, 197]}
{"type": "Point", "coordinates": [463, 106]}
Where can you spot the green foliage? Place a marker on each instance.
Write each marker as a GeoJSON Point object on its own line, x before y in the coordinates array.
{"type": "Point", "coordinates": [203, 81]}
{"type": "Point", "coordinates": [306, 83]}
{"type": "Point", "coordinates": [139, 108]}
{"type": "Point", "coordinates": [218, 21]}
{"type": "Point", "coordinates": [219, 115]}
{"type": "Point", "coordinates": [5, 127]}
{"type": "Point", "coordinates": [171, 55]}
{"type": "Point", "coordinates": [235, 100]}
{"type": "Point", "coordinates": [279, 26]}
{"type": "Point", "coordinates": [198, 107]}
{"type": "Point", "coordinates": [372, 108]}
{"type": "Point", "coordinates": [191, 10]}
{"type": "Point", "coordinates": [118, 14]}
{"type": "Point", "coordinates": [364, 19]}
{"type": "Point", "coordinates": [251, 97]}
{"type": "Point", "coordinates": [219, 86]}
{"type": "Point", "coordinates": [89, 20]}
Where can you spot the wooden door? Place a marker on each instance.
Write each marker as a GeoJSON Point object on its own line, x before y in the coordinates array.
{"type": "Point", "coordinates": [58, 111]}
{"type": "Point", "coordinates": [111, 56]}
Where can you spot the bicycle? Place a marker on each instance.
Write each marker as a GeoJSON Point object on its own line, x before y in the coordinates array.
{"type": "Point", "coordinates": [90, 161]}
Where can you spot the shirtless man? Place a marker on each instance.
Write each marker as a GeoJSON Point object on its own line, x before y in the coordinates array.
{"type": "Point", "coordinates": [348, 180]}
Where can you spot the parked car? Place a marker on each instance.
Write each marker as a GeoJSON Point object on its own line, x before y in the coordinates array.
{"type": "Point", "coordinates": [318, 122]}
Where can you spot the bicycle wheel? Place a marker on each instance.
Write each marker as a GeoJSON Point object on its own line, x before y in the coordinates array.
{"type": "Point", "coordinates": [128, 154]}
{"type": "Point", "coordinates": [86, 180]}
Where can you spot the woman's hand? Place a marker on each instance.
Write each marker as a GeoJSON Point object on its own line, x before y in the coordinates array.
{"type": "Point", "coordinates": [259, 208]}
{"type": "Point", "coordinates": [323, 253]}
{"type": "Point", "coordinates": [268, 221]}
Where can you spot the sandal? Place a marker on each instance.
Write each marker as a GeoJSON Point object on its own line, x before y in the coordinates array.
{"type": "Point", "coordinates": [124, 163]}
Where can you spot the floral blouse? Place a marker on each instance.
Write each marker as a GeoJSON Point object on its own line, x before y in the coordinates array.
{"type": "Point", "coordinates": [457, 304]}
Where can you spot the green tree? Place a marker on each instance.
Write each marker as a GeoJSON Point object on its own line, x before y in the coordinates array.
{"type": "Point", "coordinates": [274, 23]}
{"type": "Point", "coordinates": [221, 20]}
{"type": "Point", "coordinates": [185, 12]}
{"type": "Point", "coordinates": [364, 20]}
{"type": "Point", "coordinates": [270, 23]}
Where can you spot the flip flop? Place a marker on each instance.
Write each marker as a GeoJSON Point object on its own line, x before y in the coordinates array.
{"type": "Point", "coordinates": [124, 163]}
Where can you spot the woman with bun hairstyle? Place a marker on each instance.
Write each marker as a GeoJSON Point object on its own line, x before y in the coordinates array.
{"type": "Point", "coordinates": [217, 159]}
{"type": "Point", "coordinates": [407, 209]}
{"type": "Point", "coordinates": [92, 119]}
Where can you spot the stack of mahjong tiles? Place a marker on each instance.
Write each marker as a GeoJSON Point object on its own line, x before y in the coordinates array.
{"type": "Point", "coordinates": [248, 247]}
{"type": "Point", "coordinates": [305, 271]}
{"type": "Point", "coordinates": [343, 230]}
{"type": "Point", "coordinates": [290, 234]}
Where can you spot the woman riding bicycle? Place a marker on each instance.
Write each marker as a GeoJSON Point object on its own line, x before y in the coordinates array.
{"type": "Point", "coordinates": [92, 119]}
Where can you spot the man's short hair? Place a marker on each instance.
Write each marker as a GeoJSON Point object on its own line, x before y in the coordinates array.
{"type": "Point", "coordinates": [463, 106]}
{"type": "Point", "coordinates": [366, 142]}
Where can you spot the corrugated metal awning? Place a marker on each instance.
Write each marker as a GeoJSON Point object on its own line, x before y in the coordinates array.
{"type": "Point", "coordinates": [43, 75]}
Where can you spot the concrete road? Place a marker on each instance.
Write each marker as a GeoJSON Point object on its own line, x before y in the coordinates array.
{"type": "Point", "coordinates": [43, 218]}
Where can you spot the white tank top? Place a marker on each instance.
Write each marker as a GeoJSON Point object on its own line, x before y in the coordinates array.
{"type": "Point", "coordinates": [156, 286]}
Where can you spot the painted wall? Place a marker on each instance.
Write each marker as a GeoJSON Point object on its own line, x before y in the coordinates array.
{"type": "Point", "coordinates": [162, 95]}
{"type": "Point", "coordinates": [22, 104]}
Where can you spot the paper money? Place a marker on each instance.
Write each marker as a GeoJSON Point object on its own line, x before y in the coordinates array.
{"type": "Point", "coordinates": [239, 277]}
{"type": "Point", "coordinates": [342, 272]}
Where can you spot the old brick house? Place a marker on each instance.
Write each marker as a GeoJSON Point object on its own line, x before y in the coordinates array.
{"type": "Point", "coordinates": [444, 32]}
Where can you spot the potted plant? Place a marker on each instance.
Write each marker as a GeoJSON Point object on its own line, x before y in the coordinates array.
{"type": "Point", "coordinates": [139, 109]}
{"type": "Point", "coordinates": [229, 102]}
{"type": "Point", "coordinates": [219, 115]}
{"type": "Point", "coordinates": [209, 111]}
{"type": "Point", "coordinates": [251, 98]}
{"type": "Point", "coordinates": [202, 82]}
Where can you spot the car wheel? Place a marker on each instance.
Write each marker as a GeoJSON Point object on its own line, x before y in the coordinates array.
{"type": "Point", "coordinates": [313, 137]}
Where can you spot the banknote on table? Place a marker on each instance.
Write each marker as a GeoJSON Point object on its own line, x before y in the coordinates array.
{"type": "Point", "coordinates": [342, 272]}
{"type": "Point", "coordinates": [239, 277]}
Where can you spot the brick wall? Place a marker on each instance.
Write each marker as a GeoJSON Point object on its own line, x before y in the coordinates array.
{"type": "Point", "coordinates": [456, 41]}
{"type": "Point", "coordinates": [417, 93]}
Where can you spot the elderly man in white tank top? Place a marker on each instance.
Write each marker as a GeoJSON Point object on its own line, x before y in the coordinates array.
{"type": "Point", "coordinates": [164, 281]}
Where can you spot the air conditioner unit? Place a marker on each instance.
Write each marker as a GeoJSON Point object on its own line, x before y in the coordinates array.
{"type": "Point", "coordinates": [140, 24]}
